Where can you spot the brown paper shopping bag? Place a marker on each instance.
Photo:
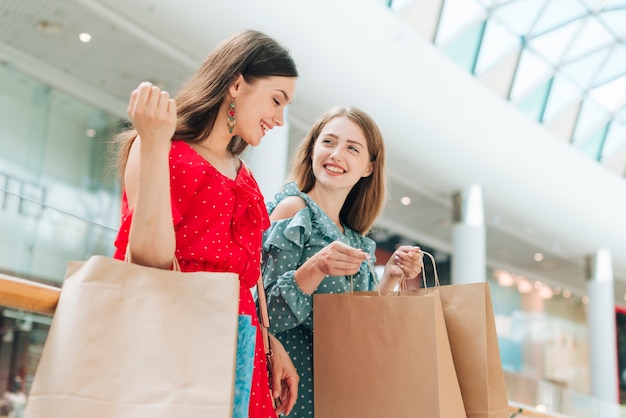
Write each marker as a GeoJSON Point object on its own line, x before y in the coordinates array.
{"type": "Point", "coordinates": [383, 356]}
{"type": "Point", "coordinates": [129, 341]}
{"type": "Point", "coordinates": [472, 333]}
{"type": "Point", "coordinates": [470, 322]}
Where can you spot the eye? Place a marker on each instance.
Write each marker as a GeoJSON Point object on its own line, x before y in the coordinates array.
{"type": "Point", "coordinates": [276, 102]}
{"type": "Point", "coordinates": [353, 148]}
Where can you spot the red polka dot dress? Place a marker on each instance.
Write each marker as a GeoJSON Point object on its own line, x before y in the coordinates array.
{"type": "Point", "coordinates": [219, 224]}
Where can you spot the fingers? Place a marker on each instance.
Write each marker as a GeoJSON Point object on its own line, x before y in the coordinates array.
{"type": "Point", "coordinates": [150, 100]}
{"type": "Point", "coordinates": [276, 383]}
{"type": "Point", "coordinates": [289, 396]}
{"type": "Point", "coordinates": [347, 251]}
{"type": "Point", "coordinates": [409, 259]}
{"type": "Point", "coordinates": [153, 114]}
{"type": "Point", "coordinates": [344, 256]}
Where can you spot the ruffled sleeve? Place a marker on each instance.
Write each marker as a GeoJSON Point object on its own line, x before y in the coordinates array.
{"type": "Point", "coordinates": [288, 244]}
{"type": "Point", "coordinates": [283, 250]}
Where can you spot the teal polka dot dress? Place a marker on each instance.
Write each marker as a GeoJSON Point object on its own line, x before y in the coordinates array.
{"type": "Point", "coordinates": [287, 244]}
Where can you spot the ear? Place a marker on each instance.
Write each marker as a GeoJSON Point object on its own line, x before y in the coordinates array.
{"type": "Point", "coordinates": [235, 87]}
{"type": "Point", "coordinates": [368, 171]}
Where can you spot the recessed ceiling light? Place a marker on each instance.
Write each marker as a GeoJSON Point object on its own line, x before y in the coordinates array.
{"type": "Point", "coordinates": [405, 200]}
{"type": "Point", "coordinates": [84, 37]}
{"type": "Point", "coordinates": [523, 285]}
{"type": "Point", "coordinates": [91, 133]}
{"type": "Point", "coordinates": [47, 27]}
{"type": "Point", "coordinates": [504, 278]}
{"type": "Point", "coordinates": [538, 257]}
{"type": "Point", "coordinates": [546, 292]}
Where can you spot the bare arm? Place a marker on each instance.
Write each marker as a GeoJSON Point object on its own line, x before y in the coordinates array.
{"type": "Point", "coordinates": [147, 179]}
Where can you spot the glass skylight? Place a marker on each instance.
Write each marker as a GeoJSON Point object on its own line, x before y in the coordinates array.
{"type": "Point", "coordinates": [569, 55]}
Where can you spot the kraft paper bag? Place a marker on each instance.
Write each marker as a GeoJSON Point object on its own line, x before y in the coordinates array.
{"type": "Point", "coordinates": [383, 356]}
{"type": "Point", "coordinates": [129, 341]}
{"type": "Point", "coordinates": [470, 322]}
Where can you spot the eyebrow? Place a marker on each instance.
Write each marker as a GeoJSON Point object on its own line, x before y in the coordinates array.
{"type": "Point", "coordinates": [285, 94]}
{"type": "Point", "coordinates": [351, 141]}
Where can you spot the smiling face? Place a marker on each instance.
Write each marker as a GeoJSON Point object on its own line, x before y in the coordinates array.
{"type": "Point", "coordinates": [340, 154]}
{"type": "Point", "coordinates": [260, 105]}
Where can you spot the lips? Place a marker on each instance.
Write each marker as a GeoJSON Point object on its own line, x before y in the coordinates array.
{"type": "Point", "coordinates": [334, 169]}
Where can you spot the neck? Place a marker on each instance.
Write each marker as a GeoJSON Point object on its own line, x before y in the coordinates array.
{"type": "Point", "coordinates": [330, 201]}
{"type": "Point", "coordinates": [215, 147]}
{"type": "Point", "coordinates": [218, 156]}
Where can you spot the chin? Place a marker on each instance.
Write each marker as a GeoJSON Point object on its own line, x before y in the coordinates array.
{"type": "Point", "coordinates": [254, 143]}
{"type": "Point", "coordinates": [251, 141]}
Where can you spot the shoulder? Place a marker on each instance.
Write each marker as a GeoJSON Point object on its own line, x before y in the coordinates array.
{"type": "Point", "coordinates": [287, 208]}
{"type": "Point", "coordinates": [287, 202]}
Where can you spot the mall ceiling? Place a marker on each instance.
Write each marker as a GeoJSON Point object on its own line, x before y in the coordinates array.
{"type": "Point", "coordinates": [445, 130]}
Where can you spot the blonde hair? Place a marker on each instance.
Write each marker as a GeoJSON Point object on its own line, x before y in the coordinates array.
{"type": "Point", "coordinates": [366, 200]}
{"type": "Point", "coordinates": [249, 53]}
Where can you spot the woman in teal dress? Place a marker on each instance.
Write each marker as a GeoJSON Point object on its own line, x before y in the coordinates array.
{"type": "Point", "coordinates": [317, 239]}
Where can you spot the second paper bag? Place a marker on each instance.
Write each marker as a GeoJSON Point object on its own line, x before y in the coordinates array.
{"type": "Point", "coordinates": [383, 356]}
{"type": "Point", "coordinates": [470, 322]}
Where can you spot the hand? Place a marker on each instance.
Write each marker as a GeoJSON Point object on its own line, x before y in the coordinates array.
{"type": "Point", "coordinates": [406, 261]}
{"type": "Point", "coordinates": [285, 378]}
{"type": "Point", "coordinates": [339, 259]}
{"type": "Point", "coordinates": [153, 114]}
{"type": "Point", "coordinates": [336, 259]}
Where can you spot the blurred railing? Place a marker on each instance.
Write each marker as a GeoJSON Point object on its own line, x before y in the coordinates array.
{"type": "Point", "coordinates": [29, 296]}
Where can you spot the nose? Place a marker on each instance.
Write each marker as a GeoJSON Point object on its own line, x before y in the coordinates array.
{"type": "Point", "coordinates": [279, 118]}
{"type": "Point", "coordinates": [336, 154]}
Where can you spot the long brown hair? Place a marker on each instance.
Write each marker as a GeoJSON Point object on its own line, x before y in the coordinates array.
{"type": "Point", "coordinates": [366, 200]}
{"type": "Point", "coordinates": [249, 53]}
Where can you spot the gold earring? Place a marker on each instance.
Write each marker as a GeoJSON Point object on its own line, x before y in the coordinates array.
{"type": "Point", "coordinates": [231, 117]}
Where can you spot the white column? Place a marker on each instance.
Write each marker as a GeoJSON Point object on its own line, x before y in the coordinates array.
{"type": "Point", "coordinates": [269, 161]}
{"type": "Point", "coordinates": [602, 327]}
{"type": "Point", "coordinates": [468, 237]}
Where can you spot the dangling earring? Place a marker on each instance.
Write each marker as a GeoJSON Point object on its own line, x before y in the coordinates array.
{"type": "Point", "coordinates": [231, 117]}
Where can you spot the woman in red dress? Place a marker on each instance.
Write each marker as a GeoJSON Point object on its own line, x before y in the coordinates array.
{"type": "Point", "coordinates": [188, 195]}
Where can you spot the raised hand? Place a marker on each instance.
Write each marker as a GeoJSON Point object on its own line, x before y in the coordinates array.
{"type": "Point", "coordinates": [153, 114]}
